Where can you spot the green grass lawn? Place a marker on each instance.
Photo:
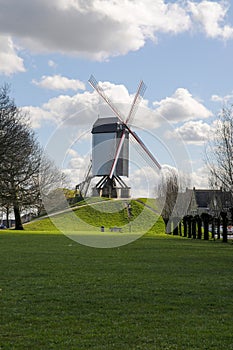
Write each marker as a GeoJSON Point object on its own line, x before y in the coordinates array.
{"type": "Point", "coordinates": [159, 292]}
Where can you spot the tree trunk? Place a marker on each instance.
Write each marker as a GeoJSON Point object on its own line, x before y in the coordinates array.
{"type": "Point", "coordinates": [224, 226]}
{"type": "Point", "coordinates": [199, 227]}
{"type": "Point", "coordinates": [175, 221]}
{"type": "Point", "coordinates": [218, 223]}
{"type": "Point", "coordinates": [180, 228]}
{"type": "Point", "coordinates": [189, 226]}
{"type": "Point", "coordinates": [194, 228]}
{"type": "Point", "coordinates": [18, 222]}
{"type": "Point", "coordinates": [213, 228]}
{"type": "Point", "coordinates": [7, 217]}
{"type": "Point", "coordinates": [185, 223]}
{"type": "Point", "coordinates": [206, 218]}
{"type": "Point", "coordinates": [167, 227]}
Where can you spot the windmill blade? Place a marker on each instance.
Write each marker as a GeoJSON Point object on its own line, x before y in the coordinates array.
{"type": "Point", "coordinates": [145, 149]}
{"type": "Point", "coordinates": [118, 151]}
{"type": "Point", "coordinates": [84, 185]}
{"type": "Point", "coordinates": [139, 143]}
{"type": "Point", "coordinates": [137, 99]}
{"type": "Point", "coordinates": [94, 83]}
{"type": "Point", "coordinates": [140, 92]}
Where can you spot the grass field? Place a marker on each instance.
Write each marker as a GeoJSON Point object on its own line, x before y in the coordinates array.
{"type": "Point", "coordinates": [159, 292]}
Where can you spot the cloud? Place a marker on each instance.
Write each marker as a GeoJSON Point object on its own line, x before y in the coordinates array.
{"type": "Point", "coordinates": [85, 107]}
{"type": "Point", "coordinates": [38, 116]}
{"type": "Point", "coordinates": [181, 106]}
{"type": "Point", "coordinates": [193, 132]}
{"type": "Point", "coordinates": [99, 29]}
{"type": "Point", "coordinates": [96, 29]}
{"type": "Point", "coordinates": [75, 167]}
{"type": "Point", "coordinates": [222, 99]}
{"type": "Point", "coordinates": [58, 82]}
{"type": "Point", "coordinates": [52, 64]}
{"type": "Point", "coordinates": [210, 16]}
{"type": "Point", "coordinates": [200, 178]}
{"type": "Point", "coordinates": [10, 62]}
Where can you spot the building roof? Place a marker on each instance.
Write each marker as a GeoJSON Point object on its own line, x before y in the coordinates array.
{"type": "Point", "coordinates": [207, 198]}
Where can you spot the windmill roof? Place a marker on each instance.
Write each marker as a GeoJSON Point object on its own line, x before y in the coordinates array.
{"type": "Point", "coordinates": [107, 124]}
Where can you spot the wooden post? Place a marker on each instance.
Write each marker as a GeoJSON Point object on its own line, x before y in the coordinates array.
{"type": "Point", "coordinates": [205, 218]}
{"type": "Point", "coordinates": [218, 223]}
{"type": "Point", "coordinates": [194, 228]}
{"type": "Point", "coordinates": [189, 226]}
{"type": "Point", "coordinates": [199, 226]}
{"type": "Point", "coordinates": [224, 226]}
{"type": "Point", "coordinates": [185, 225]}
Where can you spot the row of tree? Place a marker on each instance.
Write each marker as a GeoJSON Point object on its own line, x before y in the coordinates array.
{"type": "Point", "coordinates": [200, 226]}
{"type": "Point", "coordinates": [24, 169]}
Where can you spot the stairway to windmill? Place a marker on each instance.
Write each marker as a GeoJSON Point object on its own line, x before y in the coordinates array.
{"type": "Point", "coordinates": [110, 149]}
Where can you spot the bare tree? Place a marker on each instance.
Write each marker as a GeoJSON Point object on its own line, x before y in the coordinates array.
{"type": "Point", "coordinates": [52, 183]}
{"type": "Point", "coordinates": [219, 151]}
{"type": "Point", "coordinates": [172, 197]}
{"type": "Point", "coordinates": [26, 173]}
{"type": "Point", "coordinates": [20, 157]}
{"type": "Point", "coordinates": [167, 192]}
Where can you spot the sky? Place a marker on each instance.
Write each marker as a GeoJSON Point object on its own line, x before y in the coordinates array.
{"type": "Point", "coordinates": [182, 50]}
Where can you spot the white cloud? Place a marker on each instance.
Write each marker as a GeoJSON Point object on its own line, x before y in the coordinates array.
{"type": "Point", "coordinates": [10, 62]}
{"type": "Point", "coordinates": [75, 166]}
{"type": "Point", "coordinates": [38, 116]}
{"type": "Point", "coordinates": [217, 98]}
{"type": "Point", "coordinates": [200, 178]}
{"type": "Point", "coordinates": [83, 108]}
{"type": "Point", "coordinates": [222, 99]}
{"type": "Point", "coordinates": [99, 29]}
{"type": "Point", "coordinates": [77, 161]}
{"type": "Point", "coordinates": [142, 182]}
{"type": "Point", "coordinates": [96, 28]}
{"type": "Point", "coordinates": [58, 82]}
{"type": "Point", "coordinates": [181, 106]}
{"type": "Point", "coordinates": [192, 132]}
{"type": "Point", "coordinates": [210, 15]}
{"type": "Point", "coordinates": [52, 64]}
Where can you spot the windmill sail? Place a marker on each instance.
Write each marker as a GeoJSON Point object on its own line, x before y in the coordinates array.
{"type": "Point", "coordinates": [125, 130]}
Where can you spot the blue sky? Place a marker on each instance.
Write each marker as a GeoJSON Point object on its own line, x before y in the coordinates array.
{"type": "Point", "coordinates": [181, 49]}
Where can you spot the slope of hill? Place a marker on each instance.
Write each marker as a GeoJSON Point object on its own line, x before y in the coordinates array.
{"type": "Point", "coordinates": [111, 213]}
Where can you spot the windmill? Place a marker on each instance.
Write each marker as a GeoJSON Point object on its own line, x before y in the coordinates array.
{"type": "Point", "coordinates": [110, 147]}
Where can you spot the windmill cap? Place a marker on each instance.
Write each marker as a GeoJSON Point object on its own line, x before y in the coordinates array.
{"type": "Point", "coordinates": [108, 124]}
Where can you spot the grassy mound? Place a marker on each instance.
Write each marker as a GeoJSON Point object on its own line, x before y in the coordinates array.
{"type": "Point", "coordinates": [109, 214]}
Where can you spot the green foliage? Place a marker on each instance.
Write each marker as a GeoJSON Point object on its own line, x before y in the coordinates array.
{"type": "Point", "coordinates": [157, 293]}
{"type": "Point", "coordinates": [68, 193]}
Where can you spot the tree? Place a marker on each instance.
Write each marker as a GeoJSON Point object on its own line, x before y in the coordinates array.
{"type": "Point", "coordinates": [173, 198]}
{"type": "Point", "coordinates": [51, 183]}
{"type": "Point", "coordinates": [167, 192]}
{"type": "Point", "coordinates": [26, 173]}
{"type": "Point", "coordinates": [219, 151]}
{"type": "Point", "coordinates": [20, 157]}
